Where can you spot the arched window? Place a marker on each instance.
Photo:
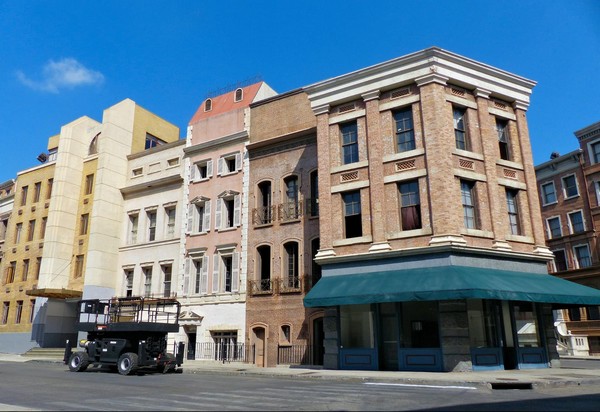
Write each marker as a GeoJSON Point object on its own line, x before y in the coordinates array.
{"type": "Point", "coordinates": [290, 275]}
{"type": "Point", "coordinates": [239, 95]}
{"type": "Point", "coordinates": [264, 207]}
{"type": "Point", "coordinates": [208, 105]}
{"type": "Point", "coordinates": [291, 208]}
{"type": "Point", "coordinates": [264, 267]}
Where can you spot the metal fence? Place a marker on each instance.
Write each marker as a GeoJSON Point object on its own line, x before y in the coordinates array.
{"type": "Point", "coordinates": [224, 352]}
{"type": "Point", "coordinates": [300, 355]}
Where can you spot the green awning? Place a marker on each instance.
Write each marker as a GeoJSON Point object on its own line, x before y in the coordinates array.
{"type": "Point", "coordinates": [446, 283]}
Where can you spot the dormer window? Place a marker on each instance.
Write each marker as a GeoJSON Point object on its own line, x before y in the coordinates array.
{"type": "Point", "coordinates": [208, 105]}
{"type": "Point", "coordinates": [239, 95]}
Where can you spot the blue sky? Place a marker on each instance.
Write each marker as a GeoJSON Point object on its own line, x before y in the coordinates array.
{"type": "Point", "coordinates": [60, 60]}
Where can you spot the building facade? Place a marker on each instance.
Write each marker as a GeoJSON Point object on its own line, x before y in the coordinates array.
{"type": "Point", "coordinates": [214, 281]}
{"type": "Point", "coordinates": [569, 187]}
{"type": "Point", "coordinates": [283, 233]}
{"type": "Point", "coordinates": [432, 254]}
{"type": "Point", "coordinates": [65, 239]}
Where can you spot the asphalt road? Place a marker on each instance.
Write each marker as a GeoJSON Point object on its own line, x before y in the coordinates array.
{"type": "Point", "coordinates": [50, 386]}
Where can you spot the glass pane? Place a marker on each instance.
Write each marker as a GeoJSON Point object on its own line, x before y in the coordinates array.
{"type": "Point", "coordinates": [484, 331]}
{"type": "Point", "coordinates": [526, 325]}
{"type": "Point", "coordinates": [420, 325]}
{"type": "Point", "coordinates": [356, 324]}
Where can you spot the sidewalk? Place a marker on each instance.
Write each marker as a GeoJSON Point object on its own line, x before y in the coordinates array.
{"type": "Point", "coordinates": [515, 379]}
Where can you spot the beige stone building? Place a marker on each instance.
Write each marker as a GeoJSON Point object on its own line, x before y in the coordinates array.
{"type": "Point", "coordinates": [66, 231]}
{"type": "Point", "coordinates": [432, 252]}
{"type": "Point", "coordinates": [283, 233]}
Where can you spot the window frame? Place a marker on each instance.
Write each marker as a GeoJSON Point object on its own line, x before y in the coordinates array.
{"type": "Point", "coordinates": [409, 199]}
{"type": "Point", "coordinates": [349, 148]}
{"type": "Point", "coordinates": [471, 205]}
{"type": "Point", "coordinates": [352, 200]}
{"type": "Point", "coordinates": [513, 210]}
{"type": "Point", "coordinates": [460, 127]}
{"type": "Point", "coordinates": [565, 187]}
{"type": "Point", "coordinates": [291, 196]}
{"type": "Point", "coordinates": [167, 279]}
{"type": "Point", "coordinates": [89, 184]}
{"type": "Point", "coordinates": [238, 95]}
{"type": "Point", "coordinates": [151, 217]}
{"type": "Point", "coordinates": [84, 221]}
{"type": "Point", "coordinates": [291, 264]}
{"type": "Point", "coordinates": [549, 227]}
{"type": "Point", "coordinates": [37, 191]}
{"type": "Point", "coordinates": [147, 274]}
{"type": "Point", "coordinates": [570, 220]}
{"type": "Point", "coordinates": [545, 195]}
{"type": "Point", "coordinates": [504, 140]}
{"type": "Point", "coordinates": [576, 257]}
{"type": "Point", "coordinates": [409, 144]}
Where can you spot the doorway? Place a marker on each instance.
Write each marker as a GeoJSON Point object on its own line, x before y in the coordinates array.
{"type": "Point", "coordinates": [317, 342]}
{"type": "Point", "coordinates": [191, 347]}
{"type": "Point", "coordinates": [258, 341]}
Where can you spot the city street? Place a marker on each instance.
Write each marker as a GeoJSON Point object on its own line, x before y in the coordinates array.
{"type": "Point", "coordinates": [50, 386]}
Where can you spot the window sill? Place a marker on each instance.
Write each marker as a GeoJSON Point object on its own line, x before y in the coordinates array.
{"type": "Point", "coordinates": [198, 233]}
{"type": "Point", "coordinates": [509, 163]}
{"type": "Point", "coordinates": [520, 239]}
{"type": "Point", "coordinates": [549, 204]}
{"type": "Point", "coordinates": [226, 229]}
{"type": "Point", "coordinates": [353, 241]}
{"type": "Point", "coordinates": [403, 155]}
{"type": "Point", "coordinates": [478, 233]}
{"type": "Point", "coordinates": [349, 166]}
{"type": "Point", "coordinates": [410, 233]}
{"type": "Point", "coordinates": [285, 222]}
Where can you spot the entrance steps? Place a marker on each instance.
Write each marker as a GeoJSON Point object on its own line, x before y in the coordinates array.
{"type": "Point", "coordinates": [45, 353]}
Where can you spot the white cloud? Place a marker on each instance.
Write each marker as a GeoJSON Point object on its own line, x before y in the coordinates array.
{"type": "Point", "coordinates": [62, 74]}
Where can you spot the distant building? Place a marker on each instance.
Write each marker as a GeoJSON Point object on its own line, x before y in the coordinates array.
{"type": "Point", "coordinates": [214, 282]}
{"type": "Point", "coordinates": [7, 199]}
{"type": "Point", "coordinates": [63, 240]}
{"type": "Point", "coordinates": [569, 187]}
{"type": "Point", "coordinates": [432, 253]}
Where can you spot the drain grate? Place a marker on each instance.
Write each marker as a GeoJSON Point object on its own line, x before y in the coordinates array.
{"type": "Point", "coordinates": [511, 385]}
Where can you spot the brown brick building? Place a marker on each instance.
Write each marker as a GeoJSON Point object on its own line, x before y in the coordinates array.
{"type": "Point", "coordinates": [569, 187]}
{"type": "Point", "coordinates": [431, 250]}
{"type": "Point", "coordinates": [283, 232]}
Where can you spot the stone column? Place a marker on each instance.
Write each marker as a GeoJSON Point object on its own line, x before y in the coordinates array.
{"type": "Point", "coordinates": [548, 329]}
{"type": "Point", "coordinates": [454, 336]}
{"type": "Point", "coordinates": [330, 340]}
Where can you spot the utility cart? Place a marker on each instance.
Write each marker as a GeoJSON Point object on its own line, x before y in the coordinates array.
{"type": "Point", "coordinates": [126, 334]}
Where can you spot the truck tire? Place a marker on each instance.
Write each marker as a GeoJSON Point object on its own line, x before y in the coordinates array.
{"type": "Point", "coordinates": [78, 362]}
{"type": "Point", "coordinates": [128, 363]}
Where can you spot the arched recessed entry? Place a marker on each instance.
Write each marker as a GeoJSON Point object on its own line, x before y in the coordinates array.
{"type": "Point", "coordinates": [317, 341]}
{"type": "Point", "coordinates": [190, 331]}
{"type": "Point", "coordinates": [258, 342]}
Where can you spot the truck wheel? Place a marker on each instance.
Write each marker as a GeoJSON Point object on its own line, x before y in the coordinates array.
{"type": "Point", "coordinates": [78, 362]}
{"type": "Point", "coordinates": [128, 363]}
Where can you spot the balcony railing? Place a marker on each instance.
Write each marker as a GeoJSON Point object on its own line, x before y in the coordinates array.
{"type": "Point", "coordinates": [290, 211]}
{"type": "Point", "coordinates": [312, 207]}
{"type": "Point", "coordinates": [296, 284]}
{"type": "Point", "coordinates": [290, 284]}
{"type": "Point", "coordinates": [583, 326]}
{"type": "Point", "coordinates": [260, 287]}
{"type": "Point", "coordinates": [264, 215]}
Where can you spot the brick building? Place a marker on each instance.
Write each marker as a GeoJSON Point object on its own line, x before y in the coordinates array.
{"type": "Point", "coordinates": [431, 250]}
{"type": "Point", "coordinates": [283, 232]}
{"type": "Point", "coordinates": [569, 187]}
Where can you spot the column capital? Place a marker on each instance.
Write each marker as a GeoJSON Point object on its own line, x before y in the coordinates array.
{"type": "Point", "coordinates": [479, 92]}
{"type": "Point", "coordinates": [370, 95]}
{"type": "Point", "coordinates": [432, 78]}
{"type": "Point", "coordinates": [521, 105]}
{"type": "Point", "coordinates": [321, 109]}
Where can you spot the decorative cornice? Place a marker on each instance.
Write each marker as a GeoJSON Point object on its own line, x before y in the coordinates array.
{"type": "Point", "coordinates": [432, 78]}
{"type": "Point", "coordinates": [239, 137]}
{"type": "Point", "coordinates": [321, 109]}
{"type": "Point", "coordinates": [520, 105]}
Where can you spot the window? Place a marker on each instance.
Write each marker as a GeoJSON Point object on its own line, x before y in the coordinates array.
{"type": "Point", "coordinates": [595, 149]}
{"type": "Point", "coordinates": [239, 95]}
{"type": "Point", "coordinates": [314, 194]}
{"type": "Point", "coordinates": [554, 229]}
{"type": "Point", "coordinates": [199, 216]}
{"type": "Point", "coordinates": [352, 214]}
{"type": "Point", "coordinates": [503, 139]}
{"type": "Point", "coordinates": [152, 141]}
{"type": "Point", "coordinates": [570, 186]}
{"type": "Point", "coordinates": [89, 184]}
{"type": "Point", "coordinates": [405, 134]}
{"type": "Point", "coordinates": [202, 170]}
{"type": "Point", "coordinates": [24, 195]}
{"type": "Point", "coordinates": [208, 105]}
{"type": "Point", "coordinates": [467, 190]}
{"type": "Point", "coordinates": [167, 271]}
{"type": "Point", "coordinates": [170, 214]}
{"type": "Point", "coordinates": [37, 189]}
{"type": "Point", "coordinates": [290, 207]}
{"type": "Point", "coordinates": [291, 278]}
{"type": "Point", "coordinates": [3, 228]}
{"type": "Point", "coordinates": [5, 308]}
{"type": "Point", "coordinates": [78, 266]}
{"type": "Point", "coordinates": [228, 211]}
{"type": "Point", "coordinates": [25, 269]}
{"type": "Point", "coordinates": [49, 188]}
{"type": "Point", "coordinates": [19, 229]}
{"type": "Point", "coordinates": [229, 164]}
{"type": "Point", "coordinates": [285, 335]}
{"type": "Point", "coordinates": [410, 205]}
{"type": "Point", "coordinates": [31, 230]}
{"type": "Point", "coordinates": [548, 193]}
{"type": "Point", "coordinates": [133, 228]}
{"type": "Point", "coordinates": [576, 222]}
{"type": "Point", "coordinates": [315, 245]}
{"type": "Point", "coordinates": [137, 172]}
{"type": "Point", "coordinates": [83, 224]}
{"type": "Point", "coordinates": [19, 311]}
{"type": "Point", "coordinates": [512, 205]}
{"type": "Point", "coordinates": [31, 310]}
{"type": "Point", "coordinates": [43, 228]}
{"type": "Point", "coordinates": [264, 213]}
{"type": "Point", "coordinates": [93, 147]}
{"type": "Point", "coordinates": [128, 282]}
{"type": "Point", "coordinates": [173, 162]}
{"type": "Point", "coordinates": [582, 256]}
{"type": "Point", "coordinates": [151, 216]}
{"type": "Point", "coordinates": [460, 130]}
{"type": "Point", "coordinates": [10, 272]}
{"type": "Point", "coordinates": [225, 273]}
{"type": "Point", "coordinates": [201, 275]}
{"type": "Point", "coordinates": [349, 132]}
{"type": "Point", "coordinates": [38, 267]}
{"type": "Point", "coordinates": [147, 271]}
{"type": "Point", "coordinates": [264, 267]}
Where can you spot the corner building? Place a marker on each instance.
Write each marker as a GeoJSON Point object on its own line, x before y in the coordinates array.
{"type": "Point", "coordinates": [432, 253]}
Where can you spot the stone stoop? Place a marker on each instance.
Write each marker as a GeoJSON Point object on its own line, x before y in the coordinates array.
{"type": "Point", "coordinates": [45, 353]}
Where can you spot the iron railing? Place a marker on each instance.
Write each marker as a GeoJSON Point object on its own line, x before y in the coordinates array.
{"type": "Point", "coordinates": [260, 287]}
{"type": "Point", "coordinates": [224, 352]}
{"type": "Point", "coordinates": [299, 355]}
{"type": "Point", "coordinates": [264, 215]}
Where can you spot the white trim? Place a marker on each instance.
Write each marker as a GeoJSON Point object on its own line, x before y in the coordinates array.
{"type": "Point", "coordinates": [349, 166]}
{"type": "Point", "coordinates": [403, 101]}
{"type": "Point", "coordinates": [543, 194]}
{"type": "Point", "coordinates": [549, 231]}
{"type": "Point", "coordinates": [346, 187]}
{"type": "Point", "coordinates": [347, 116]}
{"type": "Point", "coordinates": [562, 181]}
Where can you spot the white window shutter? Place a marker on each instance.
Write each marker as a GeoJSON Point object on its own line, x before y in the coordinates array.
{"type": "Point", "coordinates": [186, 277]}
{"type": "Point", "coordinates": [215, 280]}
{"type": "Point", "coordinates": [235, 272]}
{"type": "Point", "coordinates": [236, 210]}
{"type": "Point", "coordinates": [220, 166]}
{"type": "Point", "coordinates": [193, 170]}
{"type": "Point", "coordinates": [190, 222]}
{"type": "Point", "coordinates": [204, 276]}
{"type": "Point", "coordinates": [218, 214]}
{"type": "Point", "coordinates": [206, 217]}
{"type": "Point", "coordinates": [238, 161]}
{"type": "Point", "coordinates": [209, 168]}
